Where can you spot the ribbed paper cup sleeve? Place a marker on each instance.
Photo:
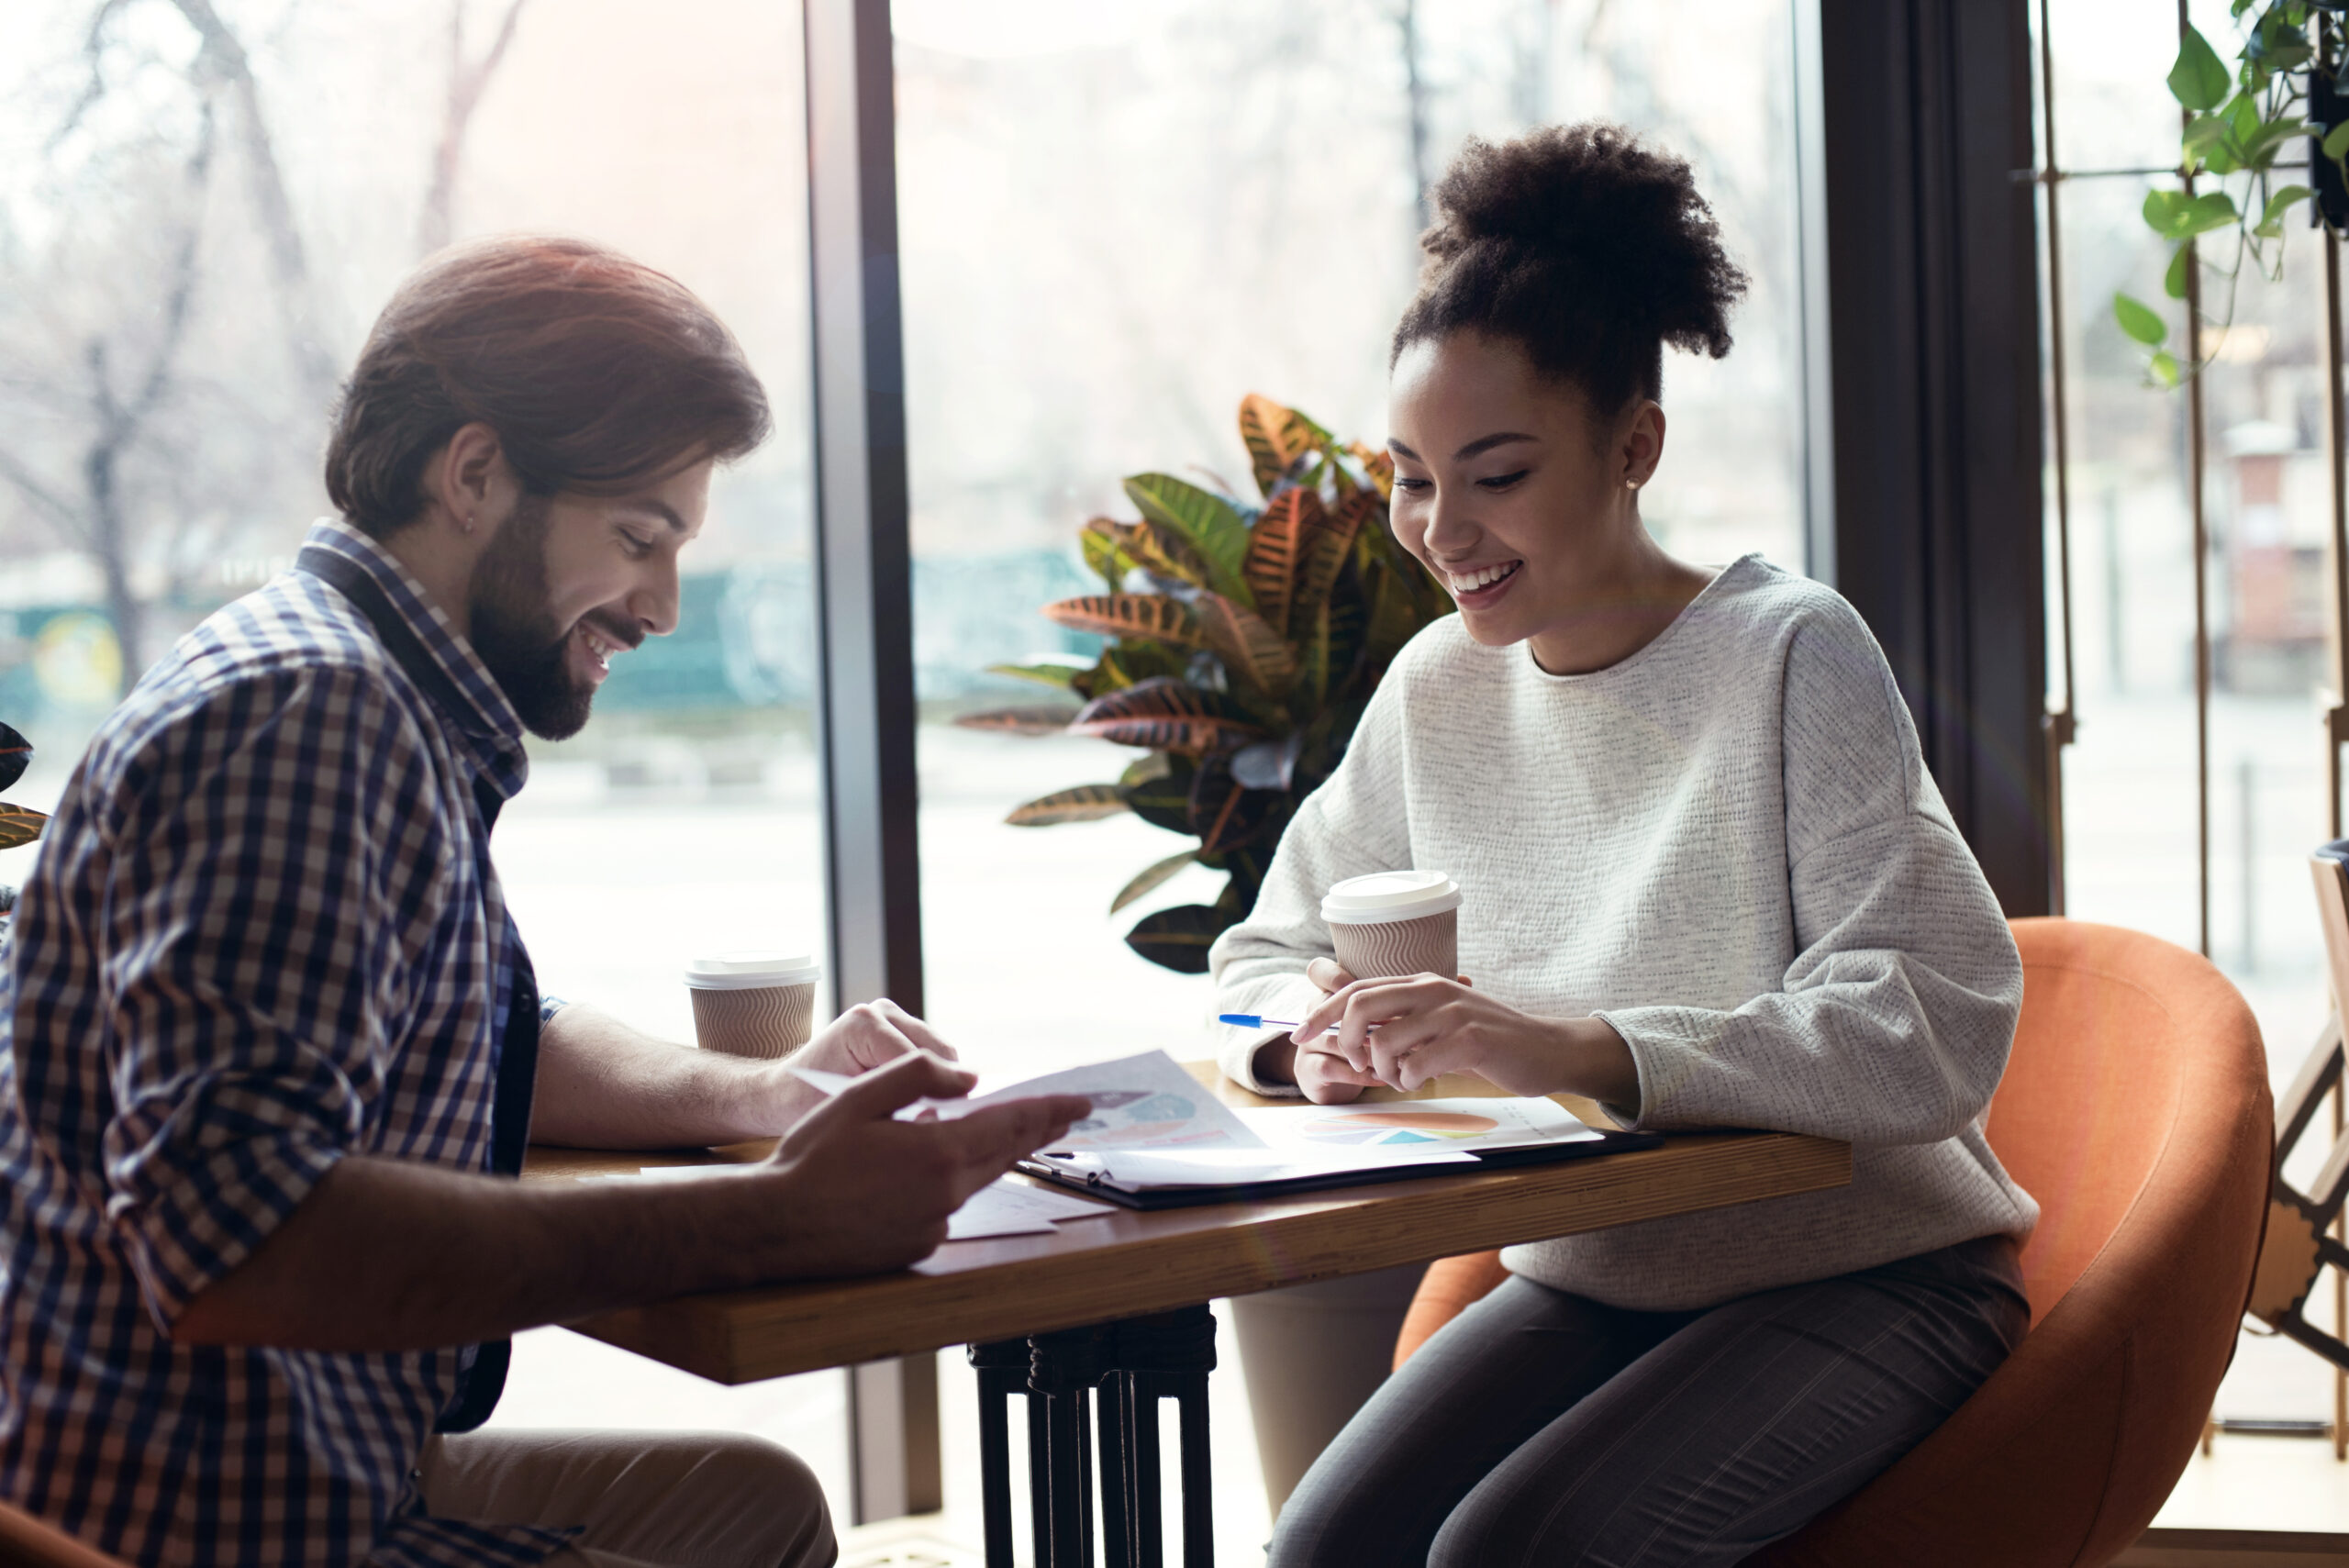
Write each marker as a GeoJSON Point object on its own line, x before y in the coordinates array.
{"type": "Point", "coordinates": [1429, 945]}
{"type": "Point", "coordinates": [769, 1021]}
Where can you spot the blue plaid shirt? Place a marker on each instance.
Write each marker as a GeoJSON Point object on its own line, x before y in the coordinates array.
{"type": "Point", "coordinates": [263, 933]}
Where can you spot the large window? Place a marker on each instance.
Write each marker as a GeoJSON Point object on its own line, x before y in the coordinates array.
{"type": "Point", "coordinates": [1117, 222]}
{"type": "Point", "coordinates": [2135, 854]}
{"type": "Point", "coordinates": [199, 218]}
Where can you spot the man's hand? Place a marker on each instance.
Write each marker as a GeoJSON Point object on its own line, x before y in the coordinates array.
{"type": "Point", "coordinates": [860, 1192]}
{"type": "Point", "coordinates": [1428, 1025]}
{"type": "Point", "coordinates": [869, 1035]}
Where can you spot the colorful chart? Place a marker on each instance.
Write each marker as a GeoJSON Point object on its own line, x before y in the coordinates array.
{"type": "Point", "coordinates": [1379, 1127]}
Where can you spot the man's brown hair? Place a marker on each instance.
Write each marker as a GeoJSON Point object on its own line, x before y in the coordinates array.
{"type": "Point", "coordinates": [598, 374]}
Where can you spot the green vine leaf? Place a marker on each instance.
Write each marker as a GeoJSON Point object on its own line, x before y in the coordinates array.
{"type": "Point", "coordinates": [2139, 320]}
{"type": "Point", "coordinates": [2173, 280]}
{"type": "Point", "coordinates": [2200, 80]}
{"type": "Point", "coordinates": [2201, 137]}
{"type": "Point", "coordinates": [2164, 368]}
{"type": "Point", "coordinates": [2337, 141]}
{"type": "Point", "coordinates": [2174, 214]}
{"type": "Point", "coordinates": [2271, 217]}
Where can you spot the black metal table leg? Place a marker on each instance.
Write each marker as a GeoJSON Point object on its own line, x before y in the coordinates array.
{"type": "Point", "coordinates": [1003, 1371]}
{"type": "Point", "coordinates": [1112, 1424]}
{"type": "Point", "coordinates": [1063, 1368]}
{"type": "Point", "coordinates": [1134, 1363]}
{"type": "Point", "coordinates": [1168, 1356]}
{"type": "Point", "coordinates": [1198, 1504]}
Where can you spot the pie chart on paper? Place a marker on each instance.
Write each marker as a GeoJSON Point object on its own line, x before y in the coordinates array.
{"type": "Point", "coordinates": [1378, 1128]}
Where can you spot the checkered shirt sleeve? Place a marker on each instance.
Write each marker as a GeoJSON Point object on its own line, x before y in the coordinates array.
{"type": "Point", "coordinates": [271, 850]}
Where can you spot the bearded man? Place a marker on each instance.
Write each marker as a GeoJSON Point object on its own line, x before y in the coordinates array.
{"type": "Point", "coordinates": [272, 1047]}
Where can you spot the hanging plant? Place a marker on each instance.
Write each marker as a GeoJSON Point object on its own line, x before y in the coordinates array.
{"type": "Point", "coordinates": [2283, 88]}
{"type": "Point", "coordinates": [1244, 640]}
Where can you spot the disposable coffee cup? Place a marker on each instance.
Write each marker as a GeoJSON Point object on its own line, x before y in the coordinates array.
{"type": "Point", "coordinates": [753, 1004]}
{"type": "Point", "coordinates": [1395, 922]}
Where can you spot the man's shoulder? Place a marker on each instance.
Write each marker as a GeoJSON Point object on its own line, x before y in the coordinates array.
{"type": "Point", "coordinates": [292, 644]}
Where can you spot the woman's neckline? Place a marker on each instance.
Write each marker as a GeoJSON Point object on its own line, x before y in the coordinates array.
{"type": "Point", "coordinates": [1648, 649]}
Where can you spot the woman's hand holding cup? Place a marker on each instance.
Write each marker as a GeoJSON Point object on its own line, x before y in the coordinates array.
{"type": "Point", "coordinates": [1326, 1077]}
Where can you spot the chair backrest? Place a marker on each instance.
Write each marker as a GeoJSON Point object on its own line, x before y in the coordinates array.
{"type": "Point", "coordinates": [2136, 1110]}
{"type": "Point", "coordinates": [2085, 1110]}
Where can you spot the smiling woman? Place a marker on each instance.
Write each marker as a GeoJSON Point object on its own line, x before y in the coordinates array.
{"type": "Point", "coordinates": [1706, 883]}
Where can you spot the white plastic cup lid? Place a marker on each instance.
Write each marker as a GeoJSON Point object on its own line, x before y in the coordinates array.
{"type": "Point", "coordinates": [752, 971]}
{"type": "Point", "coordinates": [1386, 896]}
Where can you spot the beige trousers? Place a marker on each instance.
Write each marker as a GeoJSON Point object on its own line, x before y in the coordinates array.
{"type": "Point", "coordinates": [647, 1499]}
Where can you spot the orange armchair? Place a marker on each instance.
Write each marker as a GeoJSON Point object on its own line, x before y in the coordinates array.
{"type": "Point", "coordinates": [2136, 1111]}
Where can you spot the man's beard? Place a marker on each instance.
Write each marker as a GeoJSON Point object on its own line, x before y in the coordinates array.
{"type": "Point", "coordinates": [516, 636]}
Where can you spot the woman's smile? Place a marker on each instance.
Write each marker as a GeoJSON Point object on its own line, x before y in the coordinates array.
{"type": "Point", "coordinates": [1478, 588]}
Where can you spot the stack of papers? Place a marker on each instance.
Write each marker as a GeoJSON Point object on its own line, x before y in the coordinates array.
{"type": "Point", "coordinates": [1145, 1101]}
{"type": "Point", "coordinates": [1155, 1128]}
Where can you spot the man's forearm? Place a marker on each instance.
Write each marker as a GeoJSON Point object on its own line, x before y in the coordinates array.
{"type": "Point", "coordinates": [602, 1085]}
{"type": "Point", "coordinates": [387, 1255]}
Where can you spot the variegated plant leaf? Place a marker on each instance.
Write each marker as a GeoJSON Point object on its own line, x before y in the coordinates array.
{"type": "Point", "coordinates": [1277, 550]}
{"type": "Point", "coordinates": [1178, 939]}
{"type": "Point", "coordinates": [1165, 715]}
{"type": "Point", "coordinates": [1085, 803]}
{"type": "Point", "coordinates": [20, 825]}
{"type": "Point", "coordinates": [1251, 651]}
{"type": "Point", "coordinates": [1275, 437]}
{"type": "Point", "coordinates": [1152, 878]}
{"type": "Point", "coordinates": [1225, 813]}
{"type": "Point", "coordinates": [1152, 616]}
{"type": "Point", "coordinates": [1328, 547]}
{"type": "Point", "coordinates": [1059, 675]}
{"type": "Point", "coordinates": [1211, 525]}
{"type": "Point", "coordinates": [15, 755]}
{"type": "Point", "coordinates": [1019, 720]}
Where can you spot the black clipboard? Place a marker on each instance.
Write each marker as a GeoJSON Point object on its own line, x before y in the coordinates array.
{"type": "Point", "coordinates": [1607, 1143]}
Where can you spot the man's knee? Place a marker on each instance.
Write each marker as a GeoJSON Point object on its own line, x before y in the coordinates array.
{"type": "Point", "coordinates": [771, 1498]}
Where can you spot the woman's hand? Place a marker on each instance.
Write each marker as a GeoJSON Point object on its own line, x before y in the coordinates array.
{"type": "Point", "coordinates": [1428, 1025]}
{"type": "Point", "coordinates": [1325, 1076]}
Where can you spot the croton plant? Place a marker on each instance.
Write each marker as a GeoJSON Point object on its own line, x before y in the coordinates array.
{"type": "Point", "coordinates": [18, 824]}
{"type": "Point", "coordinates": [1244, 639]}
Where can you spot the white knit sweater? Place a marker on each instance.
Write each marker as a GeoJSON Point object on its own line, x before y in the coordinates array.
{"type": "Point", "coordinates": [1728, 848]}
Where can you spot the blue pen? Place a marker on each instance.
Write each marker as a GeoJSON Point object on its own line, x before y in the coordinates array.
{"type": "Point", "coordinates": [1257, 1022]}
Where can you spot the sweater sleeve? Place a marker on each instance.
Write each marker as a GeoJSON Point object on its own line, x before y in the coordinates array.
{"type": "Point", "coordinates": [1894, 1019]}
{"type": "Point", "coordinates": [1356, 823]}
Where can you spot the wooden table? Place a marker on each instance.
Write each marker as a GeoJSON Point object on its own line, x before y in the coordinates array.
{"type": "Point", "coordinates": [1130, 1264]}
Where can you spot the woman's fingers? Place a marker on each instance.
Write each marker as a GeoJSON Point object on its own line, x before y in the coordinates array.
{"type": "Point", "coordinates": [1328, 974]}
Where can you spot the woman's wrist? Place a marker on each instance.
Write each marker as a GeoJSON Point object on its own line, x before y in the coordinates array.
{"type": "Point", "coordinates": [1274, 1061]}
{"type": "Point", "coordinates": [1599, 1064]}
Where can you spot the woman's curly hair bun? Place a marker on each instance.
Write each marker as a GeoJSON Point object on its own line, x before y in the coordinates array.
{"type": "Point", "coordinates": [1587, 249]}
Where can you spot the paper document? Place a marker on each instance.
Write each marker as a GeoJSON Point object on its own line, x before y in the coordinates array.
{"type": "Point", "coordinates": [1005, 1208]}
{"type": "Point", "coordinates": [1144, 1101]}
{"type": "Point", "coordinates": [1002, 1208]}
{"type": "Point", "coordinates": [1154, 1169]}
{"type": "Point", "coordinates": [1423, 1128]}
